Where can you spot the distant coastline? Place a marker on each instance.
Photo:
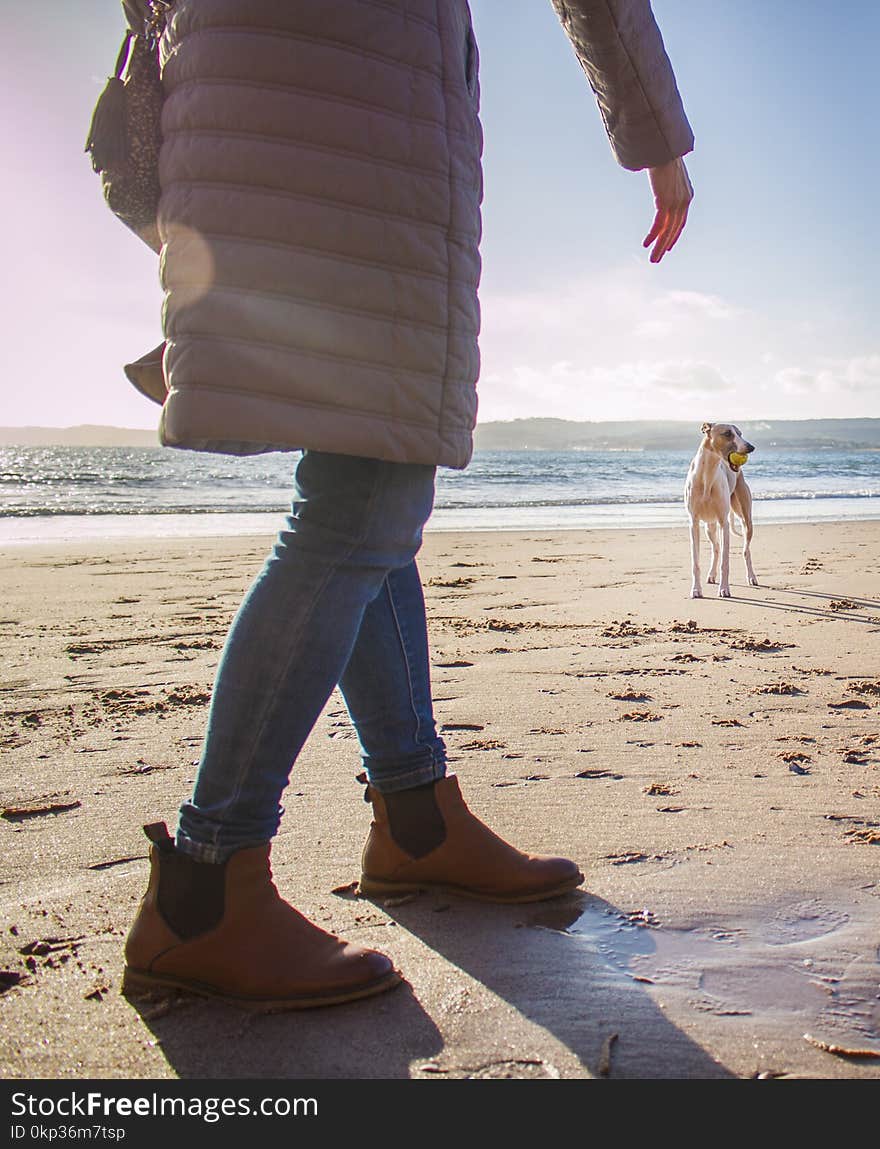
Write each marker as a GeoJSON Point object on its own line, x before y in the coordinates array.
{"type": "Point", "coordinates": [85, 435]}
{"type": "Point", "coordinates": [537, 435]}
{"type": "Point", "coordinates": [674, 435]}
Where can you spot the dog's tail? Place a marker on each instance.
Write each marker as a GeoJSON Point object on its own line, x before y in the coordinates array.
{"type": "Point", "coordinates": [734, 523]}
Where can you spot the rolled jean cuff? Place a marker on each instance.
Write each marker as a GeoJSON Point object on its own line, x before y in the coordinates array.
{"type": "Point", "coordinates": [427, 767]}
{"type": "Point", "coordinates": [202, 852]}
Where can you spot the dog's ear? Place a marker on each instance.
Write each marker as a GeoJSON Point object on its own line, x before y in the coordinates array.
{"type": "Point", "coordinates": [706, 428]}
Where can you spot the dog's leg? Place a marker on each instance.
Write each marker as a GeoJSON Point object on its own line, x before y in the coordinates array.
{"type": "Point", "coordinates": [724, 587]}
{"type": "Point", "coordinates": [741, 502]}
{"type": "Point", "coordinates": [715, 540]}
{"type": "Point", "coordinates": [696, 591]}
{"type": "Point", "coordinates": [747, 554]}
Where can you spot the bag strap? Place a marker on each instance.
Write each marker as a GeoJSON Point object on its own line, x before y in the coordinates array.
{"type": "Point", "coordinates": [122, 58]}
{"type": "Point", "coordinates": [154, 21]}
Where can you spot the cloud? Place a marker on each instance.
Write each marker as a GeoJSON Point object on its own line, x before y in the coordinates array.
{"type": "Point", "coordinates": [674, 313]}
{"type": "Point", "coordinates": [696, 378]}
{"type": "Point", "coordinates": [862, 373]}
{"type": "Point", "coordinates": [697, 302]}
{"type": "Point", "coordinates": [857, 374]}
{"type": "Point", "coordinates": [564, 390]}
{"type": "Point", "coordinates": [796, 381]}
{"type": "Point", "coordinates": [625, 344]}
{"type": "Point", "coordinates": [624, 299]}
{"type": "Point", "coordinates": [614, 345]}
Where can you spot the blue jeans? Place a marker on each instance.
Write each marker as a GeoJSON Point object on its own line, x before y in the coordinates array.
{"type": "Point", "coordinates": [338, 602]}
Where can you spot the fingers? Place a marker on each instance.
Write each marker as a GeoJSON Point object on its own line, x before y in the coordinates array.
{"type": "Point", "coordinates": [665, 231]}
{"type": "Point", "coordinates": [656, 228]}
{"type": "Point", "coordinates": [672, 197]}
{"type": "Point", "coordinates": [679, 229]}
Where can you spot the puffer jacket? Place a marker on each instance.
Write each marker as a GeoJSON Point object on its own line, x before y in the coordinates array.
{"type": "Point", "coordinates": [320, 214]}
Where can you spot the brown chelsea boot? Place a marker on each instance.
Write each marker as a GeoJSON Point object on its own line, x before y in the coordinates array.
{"type": "Point", "coordinates": [223, 930]}
{"type": "Point", "coordinates": [427, 838]}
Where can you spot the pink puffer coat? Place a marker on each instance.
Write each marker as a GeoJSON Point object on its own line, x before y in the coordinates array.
{"type": "Point", "coordinates": [320, 214]}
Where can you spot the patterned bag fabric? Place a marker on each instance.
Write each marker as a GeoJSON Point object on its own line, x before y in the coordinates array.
{"type": "Point", "coordinates": [125, 134]}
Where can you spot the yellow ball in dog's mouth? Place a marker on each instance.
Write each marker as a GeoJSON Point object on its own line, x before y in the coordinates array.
{"type": "Point", "coordinates": [736, 460]}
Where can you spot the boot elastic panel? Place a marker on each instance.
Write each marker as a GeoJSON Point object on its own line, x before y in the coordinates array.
{"type": "Point", "coordinates": [415, 820]}
{"type": "Point", "coordinates": [191, 895]}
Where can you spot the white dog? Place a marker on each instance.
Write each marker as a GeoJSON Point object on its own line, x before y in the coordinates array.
{"type": "Point", "coordinates": [715, 490]}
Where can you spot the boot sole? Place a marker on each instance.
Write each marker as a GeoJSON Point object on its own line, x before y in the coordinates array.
{"type": "Point", "coordinates": [137, 983]}
{"type": "Point", "coordinates": [378, 887]}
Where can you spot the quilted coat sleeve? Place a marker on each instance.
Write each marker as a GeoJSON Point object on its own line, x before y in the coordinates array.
{"type": "Point", "coordinates": [620, 48]}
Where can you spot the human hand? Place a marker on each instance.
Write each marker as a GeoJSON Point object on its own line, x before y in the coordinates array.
{"type": "Point", "coordinates": [672, 197]}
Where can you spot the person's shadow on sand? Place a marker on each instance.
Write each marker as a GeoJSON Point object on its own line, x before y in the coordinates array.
{"type": "Point", "coordinates": [376, 1037]}
{"type": "Point", "coordinates": [574, 985]}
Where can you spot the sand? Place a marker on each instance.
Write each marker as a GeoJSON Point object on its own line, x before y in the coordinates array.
{"type": "Point", "coordinates": [713, 765]}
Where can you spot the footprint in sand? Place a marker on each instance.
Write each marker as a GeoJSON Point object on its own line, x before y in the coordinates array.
{"type": "Point", "coordinates": [796, 762]}
{"type": "Point", "coordinates": [865, 688]}
{"type": "Point", "coordinates": [623, 628]}
{"type": "Point", "coordinates": [854, 756]}
{"type": "Point", "coordinates": [759, 645]}
{"type": "Point", "coordinates": [142, 769]}
{"type": "Point", "coordinates": [869, 836]}
{"type": "Point", "coordinates": [778, 688]}
{"type": "Point", "coordinates": [629, 859]}
{"type": "Point", "coordinates": [801, 922]}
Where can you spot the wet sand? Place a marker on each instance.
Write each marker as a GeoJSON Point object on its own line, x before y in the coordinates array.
{"type": "Point", "coordinates": [713, 765]}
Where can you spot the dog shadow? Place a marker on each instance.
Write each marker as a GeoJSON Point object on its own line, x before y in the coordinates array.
{"type": "Point", "coordinates": [838, 614]}
{"type": "Point", "coordinates": [564, 965]}
{"type": "Point", "coordinates": [866, 603]}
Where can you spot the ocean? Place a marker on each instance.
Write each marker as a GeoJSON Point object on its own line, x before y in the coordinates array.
{"type": "Point", "coordinates": [58, 493]}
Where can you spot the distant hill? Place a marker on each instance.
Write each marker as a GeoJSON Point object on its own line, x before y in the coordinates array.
{"type": "Point", "coordinates": [86, 435]}
{"type": "Point", "coordinates": [536, 435]}
{"type": "Point", "coordinates": [566, 435]}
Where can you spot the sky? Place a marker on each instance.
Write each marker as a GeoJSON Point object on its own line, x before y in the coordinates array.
{"type": "Point", "coordinates": [766, 308]}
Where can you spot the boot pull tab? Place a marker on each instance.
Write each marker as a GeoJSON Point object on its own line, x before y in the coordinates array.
{"type": "Point", "coordinates": [158, 834]}
{"type": "Point", "coordinates": [365, 782]}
